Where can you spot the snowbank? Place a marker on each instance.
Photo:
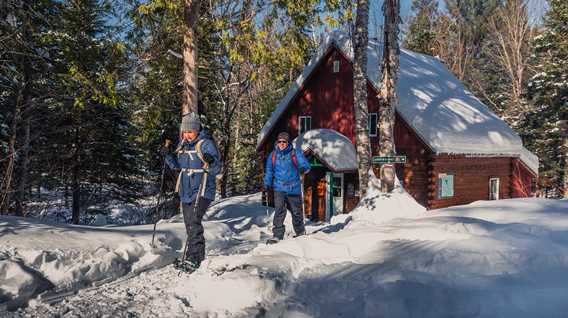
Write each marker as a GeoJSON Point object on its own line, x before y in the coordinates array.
{"type": "Point", "coordinates": [40, 256]}
{"type": "Point", "coordinates": [37, 256]}
{"type": "Point", "coordinates": [389, 258]}
{"type": "Point", "coordinates": [392, 259]}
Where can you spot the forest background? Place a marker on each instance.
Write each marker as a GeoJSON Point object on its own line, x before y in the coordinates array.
{"type": "Point", "coordinates": [90, 89]}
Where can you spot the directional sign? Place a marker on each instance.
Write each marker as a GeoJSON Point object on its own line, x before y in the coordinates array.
{"type": "Point", "coordinates": [389, 159]}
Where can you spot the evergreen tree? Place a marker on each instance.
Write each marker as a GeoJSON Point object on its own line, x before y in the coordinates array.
{"type": "Point", "coordinates": [90, 130]}
{"type": "Point", "coordinates": [548, 89]}
{"type": "Point", "coordinates": [26, 79]}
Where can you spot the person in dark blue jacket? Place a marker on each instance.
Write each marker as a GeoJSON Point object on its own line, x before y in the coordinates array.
{"type": "Point", "coordinates": [284, 167]}
{"type": "Point", "coordinates": [198, 161]}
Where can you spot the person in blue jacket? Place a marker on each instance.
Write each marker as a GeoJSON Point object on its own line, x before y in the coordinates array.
{"type": "Point", "coordinates": [284, 167]}
{"type": "Point", "coordinates": [198, 161]}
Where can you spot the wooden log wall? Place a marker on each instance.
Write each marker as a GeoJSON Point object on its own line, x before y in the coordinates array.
{"type": "Point", "coordinates": [471, 178]}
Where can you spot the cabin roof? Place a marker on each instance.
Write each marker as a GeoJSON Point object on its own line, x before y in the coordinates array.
{"type": "Point", "coordinates": [442, 112]}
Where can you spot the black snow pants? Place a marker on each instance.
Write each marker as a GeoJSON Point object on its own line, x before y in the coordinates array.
{"type": "Point", "coordinates": [192, 217]}
{"type": "Point", "coordinates": [294, 204]}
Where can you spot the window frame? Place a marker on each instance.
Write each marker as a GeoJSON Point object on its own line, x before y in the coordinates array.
{"type": "Point", "coordinates": [304, 119]}
{"type": "Point", "coordinates": [376, 132]}
{"type": "Point", "coordinates": [498, 186]}
{"type": "Point", "coordinates": [336, 66]}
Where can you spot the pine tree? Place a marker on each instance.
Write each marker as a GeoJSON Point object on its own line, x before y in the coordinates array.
{"type": "Point", "coordinates": [548, 89]}
{"type": "Point", "coordinates": [91, 131]}
{"type": "Point", "coordinates": [25, 78]}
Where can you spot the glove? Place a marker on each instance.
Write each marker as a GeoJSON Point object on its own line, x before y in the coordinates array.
{"type": "Point", "coordinates": [208, 158]}
{"type": "Point", "coordinates": [164, 151]}
{"type": "Point", "coordinates": [165, 148]}
{"type": "Point", "coordinates": [266, 188]}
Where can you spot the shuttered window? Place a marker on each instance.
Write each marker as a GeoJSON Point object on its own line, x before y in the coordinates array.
{"type": "Point", "coordinates": [445, 185]}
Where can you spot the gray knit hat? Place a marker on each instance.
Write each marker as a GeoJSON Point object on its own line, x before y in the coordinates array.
{"type": "Point", "coordinates": [190, 122]}
{"type": "Point", "coordinates": [283, 136]}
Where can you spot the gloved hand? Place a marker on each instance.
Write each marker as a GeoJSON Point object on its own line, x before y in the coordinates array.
{"type": "Point", "coordinates": [165, 148]}
{"type": "Point", "coordinates": [208, 158]}
{"type": "Point", "coordinates": [266, 187]}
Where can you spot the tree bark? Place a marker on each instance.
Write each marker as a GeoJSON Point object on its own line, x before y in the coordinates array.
{"type": "Point", "coordinates": [23, 175]}
{"type": "Point", "coordinates": [75, 184]}
{"type": "Point", "coordinates": [566, 165]}
{"type": "Point", "coordinates": [389, 73]}
{"type": "Point", "coordinates": [360, 94]}
{"type": "Point", "coordinates": [190, 93]}
{"type": "Point", "coordinates": [25, 157]}
{"type": "Point", "coordinates": [9, 171]}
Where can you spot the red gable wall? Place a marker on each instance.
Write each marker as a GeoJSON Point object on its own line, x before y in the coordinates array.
{"type": "Point", "coordinates": [328, 98]}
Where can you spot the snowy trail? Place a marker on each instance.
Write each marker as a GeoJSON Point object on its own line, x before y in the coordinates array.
{"type": "Point", "coordinates": [505, 258]}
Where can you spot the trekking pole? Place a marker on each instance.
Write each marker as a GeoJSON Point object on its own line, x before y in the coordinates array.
{"type": "Point", "coordinates": [266, 201]}
{"type": "Point", "coordinates": [303, 201]}
{"type": "Point", "coordinates": [157, 210]}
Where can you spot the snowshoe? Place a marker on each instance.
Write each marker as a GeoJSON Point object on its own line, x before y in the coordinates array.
{"type": "Point", "coordinates": [300, 234]}
{"type": "Point", "coordinates": [186, 266]}
{"type": "Point", "coordinates": [271, 241]}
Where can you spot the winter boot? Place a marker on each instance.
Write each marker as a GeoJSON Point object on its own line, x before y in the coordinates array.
{"type": "Point", "coordinates": [273, 240]}
{"type": "Point", "coordinates": [186, 266]}
{"type": "Point", "coordinates": [300, 234]}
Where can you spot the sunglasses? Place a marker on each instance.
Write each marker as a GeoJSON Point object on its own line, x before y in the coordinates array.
{"type": "Point", "coordinates": [282, 142]}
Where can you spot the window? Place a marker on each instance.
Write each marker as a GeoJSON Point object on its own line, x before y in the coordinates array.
{"type": "Point", "coordinates": [337, 187]}
{"type": "Point", "coordinates": [305, 124]}
{"type": "Point", "coordinates": [533, 185]}
{"type": "Point", "coordinates": [445, 185]}
{"type": "Point", "coordinates": [372, 124]}
{"type": "Point", "coordinates": [494, 189]}
{"type": "Point", "coordinates": [336, 66]}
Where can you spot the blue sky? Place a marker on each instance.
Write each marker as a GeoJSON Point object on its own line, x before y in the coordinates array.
{"type": "Point", "coordinates": [536, 9]}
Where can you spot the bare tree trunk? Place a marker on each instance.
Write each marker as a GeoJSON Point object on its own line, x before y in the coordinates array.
{"type": "Point", "coordinates": [225, 155]}
{"type": "Point", "coordinates": [25, 157]}
{"type": "Point", "coordinates": [360, 94]}
{"type": "Point", "coordinates": [9, 171]}
{"type": "Point", "coordinates": [566, 165]}
{"type": "Point", "coordinates": [389, 72]}
{"type": "Point", "coordinates": [23, 175]}
{"type": "Point", "coordinates": [75, 184]}
{"type": "Point", "coordinates": [190, 101]}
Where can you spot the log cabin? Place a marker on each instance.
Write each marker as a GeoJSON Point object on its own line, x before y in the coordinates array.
{"type": "Point", "coordinates": [458, 151]}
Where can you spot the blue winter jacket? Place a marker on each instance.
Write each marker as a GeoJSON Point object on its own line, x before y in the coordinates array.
{"type": "Point", "coordinates": [189, 183]}
{"type": "Point", "coordinates": [284, 176]}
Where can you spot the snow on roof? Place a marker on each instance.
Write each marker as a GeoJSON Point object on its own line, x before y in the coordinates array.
{"type": "Point", "coordinates": [438, 107]}
{"type": "Point", "coordinates": [529, 159]}
{"type": "Point", "coordinates": [332, 148]}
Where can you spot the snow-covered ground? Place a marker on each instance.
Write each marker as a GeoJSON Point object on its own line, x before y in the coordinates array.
{"type": "Point", "coordinates": [389, 258]}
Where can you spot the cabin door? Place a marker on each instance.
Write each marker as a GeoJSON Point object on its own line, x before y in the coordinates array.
{"type": "Point", "coordinates": [334, 194]}
{"type": "Point", "coordinates": [337, 193]}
